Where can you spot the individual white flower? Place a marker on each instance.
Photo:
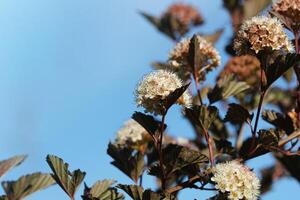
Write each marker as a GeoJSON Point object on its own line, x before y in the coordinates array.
{"type": "Point", "coordinates": [155, 87]}
{"type": "Point", "coordinates": [261, 33]}
{"type": "Point", "coordinates": [237, 180]}
{"type": "Point", "coordinates": [131, 134]}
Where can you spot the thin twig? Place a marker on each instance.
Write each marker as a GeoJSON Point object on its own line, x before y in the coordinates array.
{"type": "Point", "coordinates": [160, 152]}
{"type": "Point", "coordinates": [185, 184]}
{"type": "Point", "coordinates": [292, 136]}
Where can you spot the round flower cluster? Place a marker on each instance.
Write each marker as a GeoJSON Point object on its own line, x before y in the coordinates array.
{"type": "Point", "coordinates": [186, 15]}
{"type": "Point", "coordinates": [261, 33]}
{"type": "Point", "coordinates": [208, 55]}
{"type": "Point", "coordinates": [245, 68]}
{"type": "Point", "coordinates": [289, 9]}
{"type": "Point", "coordinates": [155, 88]}
{"type": "Point", "coordinates": [131, 134]}
{"type": "Point", "coordinates": [237, 180]}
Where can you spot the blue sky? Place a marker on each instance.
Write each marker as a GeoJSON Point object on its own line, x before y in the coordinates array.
{"type": "Point", "coordinates": [68, 69]}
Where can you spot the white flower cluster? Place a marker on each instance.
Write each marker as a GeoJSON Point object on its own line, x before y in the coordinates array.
{"type": "Point", "coordinates": [132, 133]}
{"type": "Point", "coordinates": [261, 33]}
{"type": "Point", "coordinates": [208, 55]}
{"type": "Point", "coordinates": [237, 180]}
{"type": "Point", "coordinates": [155, 87]}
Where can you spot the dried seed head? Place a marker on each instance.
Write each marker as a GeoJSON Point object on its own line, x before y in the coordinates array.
{"type": "Point", "coordinates": [155, 87]}
{"type": "Point", "coordinates": [237, 180]}
{"type": "Point", "coordinates": [290, 9]}
{"type": "Point", "coordinates": [246, 68]}
{"type": "Point", "coordinates": [261, 33]}
{"type": "Point", "coordinates": [185, 14]}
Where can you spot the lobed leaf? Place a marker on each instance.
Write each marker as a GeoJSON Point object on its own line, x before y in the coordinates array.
{"type": "Point", "coordinates": [225, 88]}
{"type": "Point", "coordinates": [68, 181]}
{"type": "Point", "coordinates": [237, 114]}
{"type": "Point", "coordinates": [124, 159]}
{"type": "Point", "coordinates": [102, 190]}
{"type": "Point", "coordinates": [134, 191]}
{"type": "Point", "coordinates": [26, 185]}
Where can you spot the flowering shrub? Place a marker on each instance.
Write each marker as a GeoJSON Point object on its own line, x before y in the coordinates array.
{"type": "Point", "coordinates": [221, 114]}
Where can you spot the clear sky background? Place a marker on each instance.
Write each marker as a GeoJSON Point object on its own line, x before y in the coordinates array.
{"type": "Point", "coordinates": [68, 69]}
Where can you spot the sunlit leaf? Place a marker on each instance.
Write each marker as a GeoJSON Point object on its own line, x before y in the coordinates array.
{"type": "Point", "coordinates": [6, 165]}
{"type": "Point", "coordinates": [254, 7]}
{"type": "Point", "coordinates": [68, 181]}
{"type": "Point", "coordinates": [134, 191]}
{"type": "Point", "coordinates": [225, 88]}
{"type": "Point", "coordinates": [26, 185]}
{"type": "Point", "coordinates": [102, 190]}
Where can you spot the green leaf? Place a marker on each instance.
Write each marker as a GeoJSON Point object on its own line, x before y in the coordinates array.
{"type": "Point", "coordinates": [68, 181]}
{"type": "Point", "coordinates": [26, 185]}
{"type": "Point", "coordinates": [254, 7]}
{"type": "Point", "coordinates": [202, 116]}
{"type": "Point", "coordinates": [130, 163]}
{"type": "Point", "coordinates": [281, 65]}
{"type": "Point", "coordinates": [102, 190]}
{"type": "Point", "coordinates": [225, 88]}
{"type": "Point", "coordinates": [279, 121]}
{"type": "Point", "coordinates": [6, 165]}
{"type": "Point", "coordinates": [237, 114]}
{"type": "Point", "coordinates": [134, 191]}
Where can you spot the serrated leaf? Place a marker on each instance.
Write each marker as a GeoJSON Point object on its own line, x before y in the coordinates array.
{"type": "Point", "coordinates": [254, 7]}
{"type": "Point", "coordinates": [281, 65]}
{"type": "Point", "coordinates": [6, 165]}
{"type": "Point", "coordinates": [202, 116]}
{"type": "Point", "coordinates": [102, 190]}
{"type": "Point", "coordinates": [225, 88]}
{"type": "Point", "coordinates": [68, 181]}
{"type": "Point", "coordinates": [134, 191]}
{"type": "Point", "coordinates": [176, 158]}
{"type": "Point", "coordinates": [268, 137]}
{"type": "Point", "coordinates": [279, 121]}
{"type": "Point", "coordinates": [130, 163]}
{"type": "Point", "coordinates": [237, 114]}
{"type": "Point", "coordinates": [26, 185]}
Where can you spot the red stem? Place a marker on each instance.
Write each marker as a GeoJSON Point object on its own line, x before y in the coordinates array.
{"type": "Point", "coordinates": [160, 152]}
{"type": "Point", "coordinates": [196, 79]}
